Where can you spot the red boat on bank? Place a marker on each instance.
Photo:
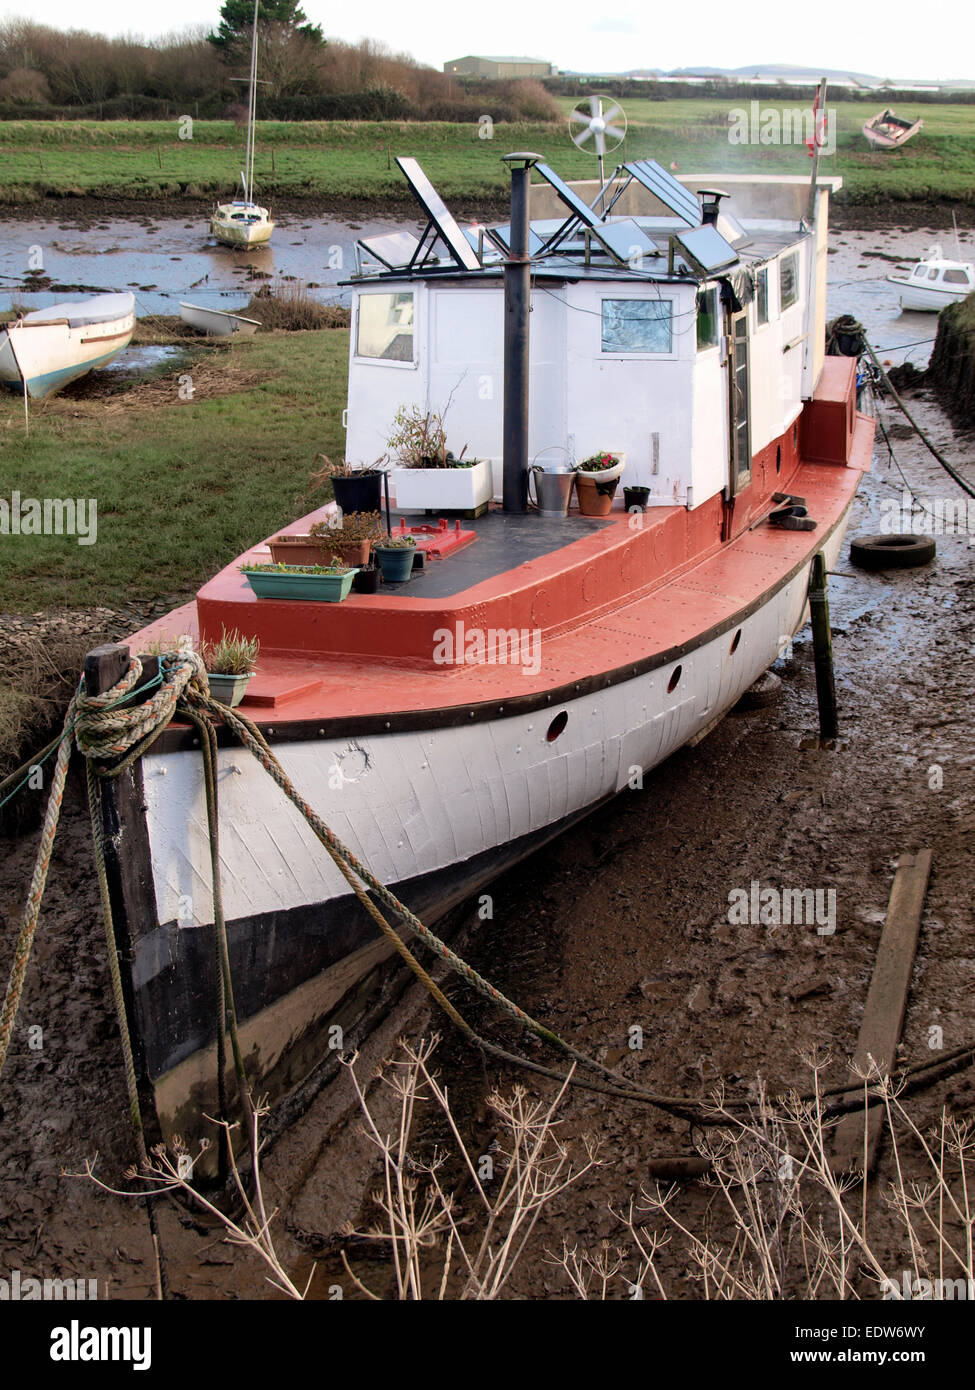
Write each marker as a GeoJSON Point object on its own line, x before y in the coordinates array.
{"type": "Point", "coordinates": [447, 726]}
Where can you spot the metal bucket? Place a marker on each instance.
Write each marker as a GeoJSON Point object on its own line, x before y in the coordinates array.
{"type": "Point", "coordinates": [553, 488]}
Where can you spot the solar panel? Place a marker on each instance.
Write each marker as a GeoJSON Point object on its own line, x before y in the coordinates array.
{"type": "Point", "coordinates": [624, 240]}
{"type": "Point", "coordinates": [571, 200]}
{"type": "Point", "coordinates": [705, 249]}
{"type": "Point", "coordinates": [441, 218]}
{"type": "Point", "coordinates": [662, 184]}
{"type": "Point", "coordinates": [395, 251]}
{"type": "Point", "coordinates": [501, 236]}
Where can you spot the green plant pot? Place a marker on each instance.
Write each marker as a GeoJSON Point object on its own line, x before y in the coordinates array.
{"type": "Point", "coordinates": [396, 565]}
{"type": "Point", "coordinates": [317, 588]}
{"type": "Point", "coordinates": [228, 689]}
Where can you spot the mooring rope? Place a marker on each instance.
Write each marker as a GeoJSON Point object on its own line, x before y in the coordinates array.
{"type": "Point", "coordinates": [106, 728]}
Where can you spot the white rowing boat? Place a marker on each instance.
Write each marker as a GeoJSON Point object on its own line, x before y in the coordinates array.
{"type": "Point", "coordinates": [217, 321]}
{"type": "Point", "coordinates": [47, 348]}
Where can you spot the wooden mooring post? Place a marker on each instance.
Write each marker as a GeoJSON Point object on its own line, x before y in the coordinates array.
{"type": "Point", "coordinates": [823, 650]}
{"type": "Point", "coordinates": [855, 1142]}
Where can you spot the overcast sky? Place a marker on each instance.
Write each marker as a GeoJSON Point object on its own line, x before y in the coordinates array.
{"type": "Point", "coordinates": [897, 39]}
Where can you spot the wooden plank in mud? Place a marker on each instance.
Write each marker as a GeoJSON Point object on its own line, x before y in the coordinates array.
{"type": "Point", "coordinates": [883, 1017]}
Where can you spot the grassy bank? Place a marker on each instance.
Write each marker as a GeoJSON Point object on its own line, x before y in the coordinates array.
{"type": "Point", "coordinates": [354, 160]}
{"type": "Point", "coordinates": [182, 485]}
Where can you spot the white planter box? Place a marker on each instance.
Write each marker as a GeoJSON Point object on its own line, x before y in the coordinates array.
{"type": "Point", "coordinates": [443, 489]}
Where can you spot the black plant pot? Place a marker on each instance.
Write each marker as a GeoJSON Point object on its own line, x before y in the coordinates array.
{"type": "Point", "coordinates": [358, 494]}
{"type": "Point", "coordinates": [636, 497]}
{"type": "Point", "coordinates": [366, 581]}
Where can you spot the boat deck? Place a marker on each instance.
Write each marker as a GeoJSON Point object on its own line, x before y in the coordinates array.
{"type": "Point", "coordinates": [605, 600]}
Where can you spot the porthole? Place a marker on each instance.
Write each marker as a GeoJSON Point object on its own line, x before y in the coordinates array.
{"type": "Point", "coordinates": [674, 681]}
{"type": "Point", "coordinates": [556, 726]}
{"type": "Point", "coordinates": [734, 641]}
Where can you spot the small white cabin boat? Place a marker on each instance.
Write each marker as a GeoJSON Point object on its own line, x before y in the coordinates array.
{"type": "Point", "coordinates": [241, 224]}
{"type": "Point", "coordinates": [47, 348]}
{"type": "Point", "coordinates": [217, 321]}
{"type": "Point", "coordinates": [933, 282]}
{"type": "Point", "coordinates": [244, 223]}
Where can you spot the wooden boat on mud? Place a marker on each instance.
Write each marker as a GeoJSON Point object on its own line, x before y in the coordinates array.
{"type": "Point", "coordinates": [47, 348]}
{"type": "Point", "coordinates": [888, 131]}
{"type": "Point", "coordinates": [446, 727]}
{"type": "Point", "coordinates": [218, 322]}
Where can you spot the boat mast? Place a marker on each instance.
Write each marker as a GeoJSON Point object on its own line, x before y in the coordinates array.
{"type": "Point", "coordinates": [251, 115]}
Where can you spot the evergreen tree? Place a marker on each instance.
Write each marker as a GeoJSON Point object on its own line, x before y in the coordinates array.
{"type": "Point", "coordinates": [237, 17]}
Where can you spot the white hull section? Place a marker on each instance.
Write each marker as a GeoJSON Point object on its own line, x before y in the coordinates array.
{"type": "Point", "coordinates": [44, 353]}
{"type": "Point", "coordinates": [241, 225]}
{"type": "Point", "coordinates": [919, 297]}
{"type": "Point", "coordinates": [413, 803]}
{"type": "Point", "coordinates": [217, 321]}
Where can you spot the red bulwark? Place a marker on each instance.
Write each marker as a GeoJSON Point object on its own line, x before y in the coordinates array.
{"type": "Point", "coordinates": [829, 419]}
{"type": "Point", "coordinates": [633, 590]}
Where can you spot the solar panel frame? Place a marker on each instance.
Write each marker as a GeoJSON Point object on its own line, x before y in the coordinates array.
{"type": "Point", "coordinates": [672, 193]}
{"type": "Point", "coordinates": [408, 243]}
{"type": "Point", "coordinates": [705, 249]}
{"type": "Point", "coordinates": [610, 235]}
{"type": "Point", "coordinates": [501, 238]}
{"type": "Point", "coordinates": [572, 201]}
{"type": "Point", "coordinates": [441, 218]}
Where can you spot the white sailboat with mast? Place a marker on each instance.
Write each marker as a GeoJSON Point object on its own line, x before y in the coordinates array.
{"type": "Point", "coordinates": [244, 223]}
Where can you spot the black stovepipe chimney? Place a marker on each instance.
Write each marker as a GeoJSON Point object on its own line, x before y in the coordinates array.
{"type": "Point", "coordinates": [517, 306]}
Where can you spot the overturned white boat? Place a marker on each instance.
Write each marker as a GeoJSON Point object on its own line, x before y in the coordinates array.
{"type": "Point", "coordinates": [217, 321]}
{"type": "Point", "coordinates": [47, 348]}
{"type": "Point", "coordinates": [934, 282]}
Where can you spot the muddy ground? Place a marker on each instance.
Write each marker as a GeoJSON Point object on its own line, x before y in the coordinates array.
{"type": "Point", "coordinates": [83, 212]}
{"type": "Point", "coordinates": [622, 921]}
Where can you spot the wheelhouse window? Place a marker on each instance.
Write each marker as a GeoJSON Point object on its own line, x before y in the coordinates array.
{"type": "Point", "coordinates": [761, 297]}
{"type": "Point", "coordinates": [385, 327]}
{"type": "Point", "coordinates": [638, 325]}
{"type": "Point", "coordinates": [707, 319]}
{"type": "Point", "coordinates": [957, 277]}
{"type": "Point", "coordinates": [789, 280]}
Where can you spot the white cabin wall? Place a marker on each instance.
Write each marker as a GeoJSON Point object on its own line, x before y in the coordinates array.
{"type": "Point", "coordinates": [459, 338]}
{"type": "Point", "coordinates": [617, 402]}
{"type": "Point", "coordinates": [377, 389]}
{"type": "Point", "coordinates": [710, 447]}
{"type": "Point", "coordinates": [464, 352]}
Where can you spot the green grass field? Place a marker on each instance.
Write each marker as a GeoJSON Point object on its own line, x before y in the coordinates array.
{"type": "Point", "coordinates": [353, 160]}
{"type": "Point", "coordinates": [182, 486]}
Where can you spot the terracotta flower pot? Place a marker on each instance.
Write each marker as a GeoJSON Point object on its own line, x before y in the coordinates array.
{"type": "Point", "coordinates": [595, 499]}
{"type": "Point", "coordinates": [297, 550]}
{"type": "Point", "coordinates": [355, 553]}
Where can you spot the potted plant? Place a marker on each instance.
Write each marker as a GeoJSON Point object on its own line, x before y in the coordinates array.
{"type": "Point", "coordinates": [367, 579]}
{"type": "Point", "coordinates": [635, 499]}
{"type": "Point", "coordinates": [297, 550]}
{"type": "Point", "coordinates": [317, 583]}
{"type": "Point", "coordinates": [603, 466]}
{"type": "Point", "coordinates": [229, 664]}
{"type": "Point", "coordinates": [352, 538]}
{"type": "Point", "coordinates": [429, 476]}
{"type": "Point", "coordinates": [596, 481]}
{"type": "Point", "coordinates": [395, 556]}
{"type": "Point", "coordinates": [355, 487]}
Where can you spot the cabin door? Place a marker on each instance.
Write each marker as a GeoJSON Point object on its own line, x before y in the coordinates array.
{"type": "Point", "coordinates": [740, 431]}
